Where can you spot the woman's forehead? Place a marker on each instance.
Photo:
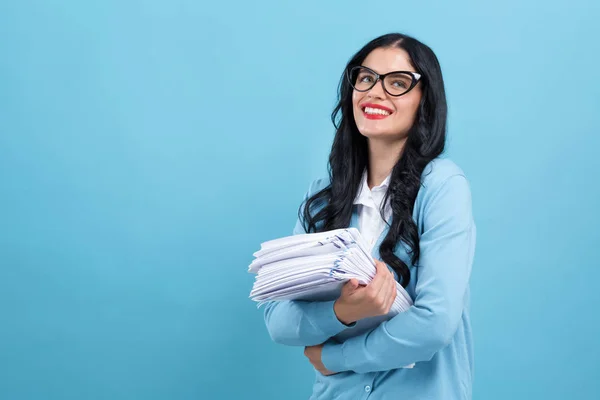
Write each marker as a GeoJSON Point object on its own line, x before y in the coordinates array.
{"type": "Point", "coordinates": [385, 59]}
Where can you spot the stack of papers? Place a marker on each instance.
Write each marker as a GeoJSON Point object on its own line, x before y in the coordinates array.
{"type": "Point", "coordinates": [314, 267]}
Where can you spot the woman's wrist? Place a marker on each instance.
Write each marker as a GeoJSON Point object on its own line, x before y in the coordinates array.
{"type": "Point", "coordinates": [342, 313]}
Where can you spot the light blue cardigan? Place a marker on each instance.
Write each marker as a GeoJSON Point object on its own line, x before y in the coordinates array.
{"type": "Point", "coordinates": [435, 333]}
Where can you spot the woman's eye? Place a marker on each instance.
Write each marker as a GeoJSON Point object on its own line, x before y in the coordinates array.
{"type": "Point", "coordinates": [400, 84]}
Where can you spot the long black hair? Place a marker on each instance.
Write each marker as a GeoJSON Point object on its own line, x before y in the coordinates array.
{"type": "Point", "coordinates": [349, 156]}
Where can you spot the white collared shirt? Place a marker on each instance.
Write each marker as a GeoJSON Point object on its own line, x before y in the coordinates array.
{"type": "Point", "coordinates": [370, 223]}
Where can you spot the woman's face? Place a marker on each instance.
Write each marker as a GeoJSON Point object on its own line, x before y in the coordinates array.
{"type": "Point", "coordinates": [399, 112]}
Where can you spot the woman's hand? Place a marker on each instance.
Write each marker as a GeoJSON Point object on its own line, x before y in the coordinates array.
{"type": "Point", "coordinates": [358, 302]}
{"type": "Point", "coordinates": [313, 353]}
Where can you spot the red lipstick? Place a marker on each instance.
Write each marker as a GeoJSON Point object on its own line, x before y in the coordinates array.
{"type": "Point", "coordinates": [376, 106]}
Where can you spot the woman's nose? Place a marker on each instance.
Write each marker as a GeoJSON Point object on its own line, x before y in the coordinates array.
{"type": "Point", "coordinates": [377, 90]}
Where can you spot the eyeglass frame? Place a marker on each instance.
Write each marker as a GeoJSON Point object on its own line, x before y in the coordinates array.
{"type": "Point", "coordinates": [416, 78]}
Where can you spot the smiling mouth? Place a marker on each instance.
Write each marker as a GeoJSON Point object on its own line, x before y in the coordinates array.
{"type": "Point", "coordinates": [375, 113]}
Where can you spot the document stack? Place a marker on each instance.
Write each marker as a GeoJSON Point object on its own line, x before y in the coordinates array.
{"type": "Point", "coordinates": [314, 267]}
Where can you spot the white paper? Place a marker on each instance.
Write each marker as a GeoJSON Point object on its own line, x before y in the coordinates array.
{"type": "Point", "coordinates": [314, 267]}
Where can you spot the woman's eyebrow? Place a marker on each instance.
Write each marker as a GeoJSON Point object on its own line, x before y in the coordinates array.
{"type": "Point", "coordinates": [409, 69]}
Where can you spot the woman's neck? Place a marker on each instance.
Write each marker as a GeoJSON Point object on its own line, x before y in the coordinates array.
{"type": "Point", "coordinates": [383, 155]}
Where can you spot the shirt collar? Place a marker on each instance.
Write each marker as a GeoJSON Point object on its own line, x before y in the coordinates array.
{"type": "Point", "coordinates": [363, 195]}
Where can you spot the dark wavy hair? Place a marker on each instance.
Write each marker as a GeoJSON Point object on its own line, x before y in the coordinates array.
{"type": "Point", "coordinates": [349, 156]}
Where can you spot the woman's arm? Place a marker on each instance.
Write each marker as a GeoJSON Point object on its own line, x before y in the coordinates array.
{"type": "Point", "coordinates": [302, 323]}
{"type": "Point", "coordinates": [447, 249]}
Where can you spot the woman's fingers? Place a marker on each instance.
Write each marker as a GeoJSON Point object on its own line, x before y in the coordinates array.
{"type": "Point", "coordinates": [392, 292]}
{"type": "Point", "coordinates": [380, 288]}
{"type": "Point", "coordinates": [377, 297]}
{"type": "Point", "coordinates": [384, 288]}
{"type": "Point", "coordinates": [386, 293]}
{"type": "Point", "coordinates": [379, 279]}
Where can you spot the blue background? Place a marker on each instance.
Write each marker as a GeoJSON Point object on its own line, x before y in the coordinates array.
{"type": "Point", "coordinates": [148, 148]}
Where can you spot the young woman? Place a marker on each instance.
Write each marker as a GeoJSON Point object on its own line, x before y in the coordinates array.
{"type": "Point", "coordinates": [387, 178]}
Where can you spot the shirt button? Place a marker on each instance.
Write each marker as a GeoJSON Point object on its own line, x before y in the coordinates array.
{"type": "Point", "coordinates": [367, 388]}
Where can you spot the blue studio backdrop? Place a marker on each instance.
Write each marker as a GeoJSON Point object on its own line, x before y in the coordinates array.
{"type": "Point", "coordinates": [148, 148]}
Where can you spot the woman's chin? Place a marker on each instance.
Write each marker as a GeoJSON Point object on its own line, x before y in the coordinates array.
{"type": "Point", "coordinates": [377, 133]}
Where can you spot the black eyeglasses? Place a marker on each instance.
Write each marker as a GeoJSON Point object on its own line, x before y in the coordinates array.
{"type": "Point", "coordinates": [395, 83]}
